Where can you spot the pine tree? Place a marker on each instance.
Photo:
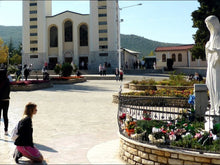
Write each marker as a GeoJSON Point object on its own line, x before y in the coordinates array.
{"type": "Point", "coordinates": [207, 8]}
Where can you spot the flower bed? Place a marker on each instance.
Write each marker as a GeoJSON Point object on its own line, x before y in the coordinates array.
{"type": "Point", "coordinates": [67, 80]}
{"type": "Point", "coordinates": [29, 85]}
{"type": "Point", "coordinates": [142, 87]}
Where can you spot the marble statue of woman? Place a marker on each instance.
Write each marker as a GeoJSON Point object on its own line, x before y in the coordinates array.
{"type": "Point", "coordinates": [212, 49]}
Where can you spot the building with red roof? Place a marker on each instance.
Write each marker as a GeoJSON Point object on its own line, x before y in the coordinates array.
{"type": "Point", "coordinates": [180, 56]}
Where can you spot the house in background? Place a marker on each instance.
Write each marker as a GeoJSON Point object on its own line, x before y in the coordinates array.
{"type": "Point", "coordinates": [179, 56]}
{"type": "Point", "coordinates": [128, 58]}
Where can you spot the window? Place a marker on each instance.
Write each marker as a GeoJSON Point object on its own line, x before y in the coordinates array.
{"type": "Point", "coordinates": [33, 49]}
{"type": "Point", "coordinates": [164, 58]}
{"type": "Point", "coordinates": [103, 39]}
{"type": "Point", "coordinates": [103, 31]}
{"type": "Point", "coordinates": [173, 57]}
{"type": "Point", "coordinates": [83, 32]}
{"type": "Point", "coordinates": [33, 26]}
{"type": "Point", "coordinates": [33, 4]}
{"type": "Point", "coordinates": [103, 54]}
{"type": "Point", "coordinates": [103, 46]}
{"type": "Point", "coordinates": [53, 36]}
{"type": "Point", "coordinates": [33, 34]}
{"type": "Point", "coordinates": [102, 7]}
{"type": "Point", "coordinates": [68, 31]}
{"type": "Point", "coordinates": [103, 23]}
{"type": "Point", "coordinates": [33, 42]}
{"type": "Point", "coordinates": [33, 12]}
{"type": "Point", "coordinates": [33, 19]}
{"type": "Point", "coordinates": [102, 15]}
{"type": "Point", "coordinates": [180, 57]}
{"type": "Point", "coordinates": [33, 56]}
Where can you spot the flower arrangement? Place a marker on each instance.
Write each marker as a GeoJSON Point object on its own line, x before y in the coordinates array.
{"type": "Point", "coordinates": [66, 78]}
{"type": "Point", "coordinates": [162, 92]}
{"type": "Point", "coordinates": [28, 82]}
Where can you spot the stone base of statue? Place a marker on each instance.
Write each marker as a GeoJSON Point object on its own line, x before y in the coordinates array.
{"type": "Point", "coordinates": [211, 120]}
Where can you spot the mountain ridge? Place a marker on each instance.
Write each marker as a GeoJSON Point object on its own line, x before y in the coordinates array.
{"type": "Point", "coordinates": [132, 42]}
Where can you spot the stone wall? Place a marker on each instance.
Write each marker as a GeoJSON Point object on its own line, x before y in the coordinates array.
{"type": "Point", "coordinates": [134, 152]}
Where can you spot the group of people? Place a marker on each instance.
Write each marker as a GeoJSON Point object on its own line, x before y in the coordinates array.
{"type": "Point", "coordinates": [119, 74]}
{"type": "Point", "coordinates": [24, 142]}
{"type": "Point", "coordinates": [102, 70]}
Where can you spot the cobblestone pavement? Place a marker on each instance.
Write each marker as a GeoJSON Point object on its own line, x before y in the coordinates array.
{"type": "Point", "coordinates": [75, 124]}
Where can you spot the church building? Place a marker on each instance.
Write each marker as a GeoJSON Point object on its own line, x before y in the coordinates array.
{"type": "Point", "coordinates": [87, 40]}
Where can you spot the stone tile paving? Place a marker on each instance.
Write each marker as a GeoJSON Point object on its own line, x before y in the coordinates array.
{"type": "Point", "coordinates": [72, 121]}
{"type": "Point", "coordinates": [75, 124]}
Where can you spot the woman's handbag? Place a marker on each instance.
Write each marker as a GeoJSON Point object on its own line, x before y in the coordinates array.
{"type": "Point", "coordinates": [14, 133]}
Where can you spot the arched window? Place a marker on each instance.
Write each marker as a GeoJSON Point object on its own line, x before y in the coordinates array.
{"type": "Point", "coordinates": [83, 32]}
{"type": "Point", "coordinates": [53, 36]}
{"type": "Point", "coordinates": [173, 57]}
{"type": "Point", "coordinates": [164, 58]}
{"type": "Point", "coordinates": [68, 27]}
{"type": "Point", "coordinates": [180, 57]}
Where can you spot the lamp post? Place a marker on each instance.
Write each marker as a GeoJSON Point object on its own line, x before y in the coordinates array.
{"type": "Point", "coordinates": [119, 38]}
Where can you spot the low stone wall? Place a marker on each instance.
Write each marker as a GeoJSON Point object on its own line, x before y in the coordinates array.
{"type": "Point", "coordinates": [142, 87]}
{"type": "Point", "coordinates": [174, 87]}
{"type": "Point", "coordinates": [31, 87]}
{"type": "Point", "coordinates": [152, 101]}
{"type": "Point", "coordinates": [134, 152]}
{"type": "Point", "coordinates": [70, 81]}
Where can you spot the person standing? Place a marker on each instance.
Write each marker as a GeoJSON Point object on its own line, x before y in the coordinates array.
{"type": "Point", "coordinates": [121, 73]}
{"type": "Point", "coordinates": [100, 69]}
{"type": "Point", "coordinates": [116, 74]}
{"type": "Point", "coordinates": [4, 97]}
{"type": "Point", "coordinates": [24, 143]}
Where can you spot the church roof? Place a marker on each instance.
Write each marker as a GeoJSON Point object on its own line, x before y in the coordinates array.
{"type": "Point", "coordinates": [173, 48]}
{"type": "Point", "coordinates": [67, 11]}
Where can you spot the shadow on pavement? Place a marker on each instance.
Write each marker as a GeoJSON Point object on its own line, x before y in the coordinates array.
{"type": "Point", "coordinates": [23, 162]}
{"type": "Point", "coordinates": [44, 148]}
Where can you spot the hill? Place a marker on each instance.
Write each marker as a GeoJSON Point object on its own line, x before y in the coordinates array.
{"type": "Point", "coordinates": [132, 42]}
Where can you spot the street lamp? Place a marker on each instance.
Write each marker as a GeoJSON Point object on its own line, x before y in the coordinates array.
{"type": "Point", "coordinates": [119, 38]}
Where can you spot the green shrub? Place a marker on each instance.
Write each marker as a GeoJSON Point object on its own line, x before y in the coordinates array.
{"type": "Point", "coordinates": [57, 69]}
{"type": "Point", "coordinates": [66, 70]}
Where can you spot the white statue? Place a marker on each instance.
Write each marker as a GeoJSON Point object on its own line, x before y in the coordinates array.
{"type": "Point", "coordinates": [212, 49]}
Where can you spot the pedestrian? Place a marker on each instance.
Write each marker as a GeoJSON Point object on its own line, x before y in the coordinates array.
{"type": "Point", "coordinates": [24, 142]}
{"type": "Point", "coordinates": [154, 66]}
{"type": "Point", "coordinates": [121, 74]}
{"type": "Point", "coordinates": [4, 97]}
{"type": "Point", "coordinates": [116, 74]}
{"type": "Point", "coordinates": [104, 70]}
{"type": "Point", "coordinates": [26, 72]}
{"type": "Point", "coordinates": [100, 69]}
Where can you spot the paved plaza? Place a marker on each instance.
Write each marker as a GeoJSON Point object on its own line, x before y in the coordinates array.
{"type": "Point", "coordinates": [75, 124]}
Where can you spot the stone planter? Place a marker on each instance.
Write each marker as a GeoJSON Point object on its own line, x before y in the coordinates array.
{"type": "Point", "coordinates": [174, 87]}
{"type": "Point", "coordinates": [152, 101]}
{"type": "Point", "coordinates": [31, 87]}
{"type": "Point", "coordinates": [142, 87]}
{"type": "Point", "coordinates": [69, 81]}
{"type": "Point", "coordinates": [134, 152]}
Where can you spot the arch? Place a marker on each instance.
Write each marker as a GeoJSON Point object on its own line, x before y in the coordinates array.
{"type": "Point", "coordinates": [53, 36]}
{"type": "Point", "coordinates": [173, 57]}
{"type": "Point", "coordinates": [83, 34]}
{"type": "Point", "coordinates": [179, 57]}
{"type": "Point", "coordinates": [68, 31]}
{"type": "Point", "coordinates": [164, 58]}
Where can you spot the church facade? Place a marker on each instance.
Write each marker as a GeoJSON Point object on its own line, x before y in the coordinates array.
{"type": "Point", "coordinates": [87, 40]}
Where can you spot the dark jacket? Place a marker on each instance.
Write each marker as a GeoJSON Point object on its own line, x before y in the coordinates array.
{"type": "Point", "coordinates": [4, 87]}
{"type": "Point", "coordinates": [25, 131]}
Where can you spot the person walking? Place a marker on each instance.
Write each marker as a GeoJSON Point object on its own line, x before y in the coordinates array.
{"type": "Point", "coordinates": [121, 73]}
{"type": "Point", "coordinates": [26, 72]}
{"type": "Point", "coordinates": [100, 69]}
{"type": "Point", "coordinates": [116, 74]}
{"type": "Point", "coordinates": [4, 97]}
{"type": "Point", "coordinates": [24, 143]}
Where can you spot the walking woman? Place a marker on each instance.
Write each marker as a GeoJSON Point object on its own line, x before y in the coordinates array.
{"type": "Point", "coordinates": [24, 142]}
{"type": "Point", "coordinates": [4, 97]}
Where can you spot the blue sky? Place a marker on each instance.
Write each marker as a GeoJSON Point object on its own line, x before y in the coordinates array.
{"type": "Point", "coordinates": [165, 21]}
